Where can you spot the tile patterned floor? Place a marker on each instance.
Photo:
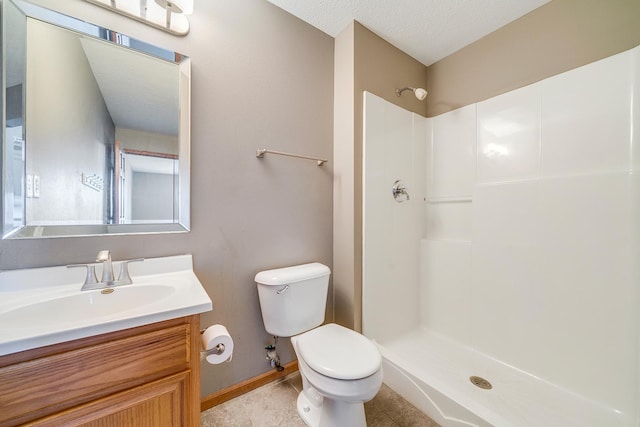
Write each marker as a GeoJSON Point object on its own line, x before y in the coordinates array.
{"type": "Point", "coordinates": [274, 405]}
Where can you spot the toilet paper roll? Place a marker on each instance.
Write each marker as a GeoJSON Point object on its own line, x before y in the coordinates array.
{"type": "Point", "coordinates": [213, 336]}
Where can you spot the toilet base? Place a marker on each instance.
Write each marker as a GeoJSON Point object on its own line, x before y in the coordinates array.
{"type": "Point", "coordinates": [326, 412]}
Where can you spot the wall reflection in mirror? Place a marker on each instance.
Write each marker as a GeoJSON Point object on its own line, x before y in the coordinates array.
{"type": "Point", "coordinates": [96, 132]}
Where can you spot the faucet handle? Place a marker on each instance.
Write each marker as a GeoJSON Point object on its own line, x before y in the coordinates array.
{"type": "Point", "coordinates": [124, 270]}
{"type": "Point", "coordinates": [399, 192]}
{"type": "Point", "coordinates": [91, 278]}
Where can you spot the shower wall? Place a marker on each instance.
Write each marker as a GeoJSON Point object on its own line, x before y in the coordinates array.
{"type": "Point", "coordinates": [527, 232]}
{"type": "Point", "coordinates": [395, 149]}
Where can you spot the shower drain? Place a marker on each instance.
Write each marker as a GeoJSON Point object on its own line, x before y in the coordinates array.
{"type": "Point", "coordinates": [480, 382]}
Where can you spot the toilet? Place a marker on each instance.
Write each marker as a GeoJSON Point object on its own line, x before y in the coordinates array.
{"type": "Point", "coordinates": [340, 368]}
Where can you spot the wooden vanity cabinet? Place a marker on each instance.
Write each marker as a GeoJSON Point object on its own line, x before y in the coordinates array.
{"type": "Point", "coordinates": [138, 377]}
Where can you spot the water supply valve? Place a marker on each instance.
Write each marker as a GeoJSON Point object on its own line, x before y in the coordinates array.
{"type": "Point", "coordinates": [273, 357]}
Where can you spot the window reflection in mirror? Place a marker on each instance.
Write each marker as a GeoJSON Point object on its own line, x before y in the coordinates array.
{"type": "Point", "coordinates": [100, 143]}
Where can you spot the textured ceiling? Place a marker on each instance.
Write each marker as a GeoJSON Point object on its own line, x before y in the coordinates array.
{"type": "Point", "coordinates": [428, 30]}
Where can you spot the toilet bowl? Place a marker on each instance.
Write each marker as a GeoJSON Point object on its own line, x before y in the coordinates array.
{"type": "Point", "coordinates": [340, 370]}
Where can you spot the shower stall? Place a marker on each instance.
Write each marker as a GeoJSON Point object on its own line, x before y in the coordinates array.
{"type": "Point", "coordinates": [504, 289]}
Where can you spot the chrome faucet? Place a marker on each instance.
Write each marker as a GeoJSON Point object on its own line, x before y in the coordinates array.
{"type": "Point", "coordinates": [107, 268]}
{"type": "Point", "coordinates": [107, 280]}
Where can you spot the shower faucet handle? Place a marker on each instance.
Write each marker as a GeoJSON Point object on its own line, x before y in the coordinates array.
{"type": "Point", "coordinates": [399, 192]}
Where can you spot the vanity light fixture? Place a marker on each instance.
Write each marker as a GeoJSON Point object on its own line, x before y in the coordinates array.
{"type": "Point", "coordinates": [166, 15]}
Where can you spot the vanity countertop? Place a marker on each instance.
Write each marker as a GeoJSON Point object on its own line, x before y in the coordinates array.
{"type": "Point", "coordinates": [44, 306]}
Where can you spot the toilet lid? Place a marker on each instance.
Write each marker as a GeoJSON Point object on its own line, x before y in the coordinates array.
{"type": "Point", "coordinates": [338, 352]}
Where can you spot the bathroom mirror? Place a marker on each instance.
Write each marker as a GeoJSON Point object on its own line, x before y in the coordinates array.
{"type": "Point", "coordinates": [96, 129]}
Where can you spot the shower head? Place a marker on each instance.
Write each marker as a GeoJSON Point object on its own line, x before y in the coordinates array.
{"type": "Point", "coordinates": [420, 93]}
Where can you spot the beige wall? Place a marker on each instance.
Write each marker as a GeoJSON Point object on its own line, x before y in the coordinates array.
{"type": "Point", "coordinates": [363, 62]}
{"type": "Point", "coordinates": [557, 37]}
{"type": "Point", "coordinates": [343, 181]}
{"type": "Point", "coordinates": [261, 78]}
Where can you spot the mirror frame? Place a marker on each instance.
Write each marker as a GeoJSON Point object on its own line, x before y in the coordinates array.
{"type": "Point", "coordinates": [182, 222]}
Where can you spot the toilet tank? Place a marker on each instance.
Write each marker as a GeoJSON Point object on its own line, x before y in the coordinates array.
{"type": "Point", "coordinates": [293, 299]}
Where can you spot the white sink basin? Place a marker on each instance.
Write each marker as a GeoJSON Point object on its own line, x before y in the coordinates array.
{"type": "Point", "coordinates": [94, 305]}
{"type": "Point", "coordinates": [45, 306]}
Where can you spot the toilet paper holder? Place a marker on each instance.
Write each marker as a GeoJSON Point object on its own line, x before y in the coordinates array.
{"type": "Point", "coordinates": [218, 349]}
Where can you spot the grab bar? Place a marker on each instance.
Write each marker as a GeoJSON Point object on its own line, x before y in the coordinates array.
{"type": "Point", "coordinates": [261, 152]}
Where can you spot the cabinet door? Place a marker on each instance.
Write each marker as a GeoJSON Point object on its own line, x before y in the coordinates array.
{"type": "Point", "coordinates": [36, 388]}
{"type": "Point", "coordinates": [162, 403]}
